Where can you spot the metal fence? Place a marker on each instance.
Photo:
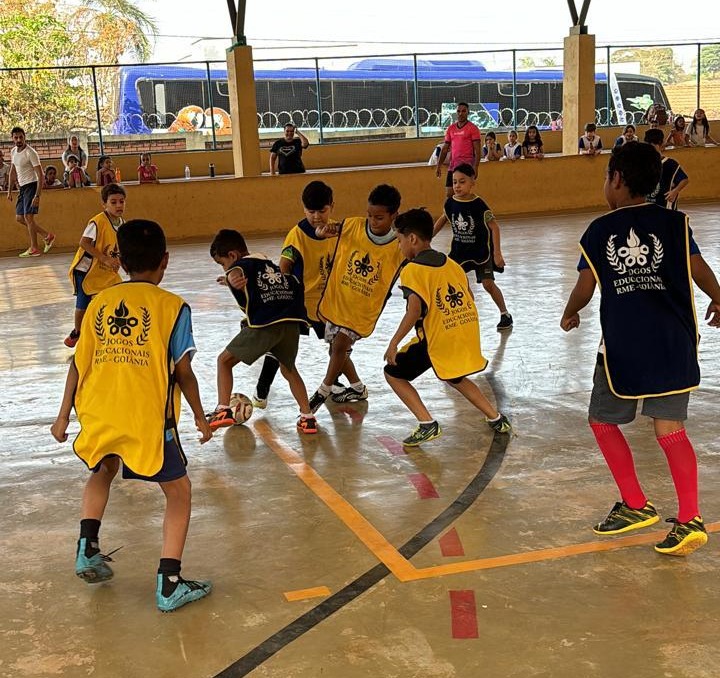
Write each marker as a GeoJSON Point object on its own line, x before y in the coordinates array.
{"type": "Point", "coordinates": [186, 106]}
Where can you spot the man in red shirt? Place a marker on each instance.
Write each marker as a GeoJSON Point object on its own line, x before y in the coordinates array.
{"type": "Point", "coordinates": [464, 142]}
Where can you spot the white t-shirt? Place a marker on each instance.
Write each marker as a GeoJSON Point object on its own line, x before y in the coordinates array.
{"type": "Point", "coordinates": [697, 138]}
{"type": "Point", "coordinates": [83, 266]}
{"type": "Point", "coordinates": [25, 162]}
{"type": "Point", "coordinates": [512, 151]}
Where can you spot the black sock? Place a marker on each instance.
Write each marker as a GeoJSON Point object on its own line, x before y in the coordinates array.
{"type": "Point", "coordinates": [89, 530]}
{"type": "Point", "coordinates": [170, 570]}
{"type": "Point", "coordinates": [269, 369]}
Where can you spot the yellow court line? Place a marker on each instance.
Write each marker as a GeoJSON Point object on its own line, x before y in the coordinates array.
{"type": "Point", "coordinates": [400, 566]}
{"type": "Point", "coordinates": [383, 550]}
{"type": "Point", "coordinates": [304, 594]}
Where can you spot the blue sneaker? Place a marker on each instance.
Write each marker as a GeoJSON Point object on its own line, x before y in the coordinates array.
{"type": "Point", "coordinates": [185, 592]}
{"type": "Point", "coordinates": [93, 569]}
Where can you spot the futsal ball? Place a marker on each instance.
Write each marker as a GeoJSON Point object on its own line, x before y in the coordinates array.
{"type": "Point", "coordinates": [242, 407]}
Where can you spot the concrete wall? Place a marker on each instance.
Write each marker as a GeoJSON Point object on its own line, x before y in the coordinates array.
{"type": "Point", "coordinates": [197, 208]}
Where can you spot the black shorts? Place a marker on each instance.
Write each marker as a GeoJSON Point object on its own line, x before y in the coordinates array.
{"type": "Point", "coordinates": [482, 271]}
{"type": "Point", "coordinates": [318, 326]}
{"type": "Point", "coordinates": [448, 179]}
{"type": "Point", "coordinates": [411, 361]}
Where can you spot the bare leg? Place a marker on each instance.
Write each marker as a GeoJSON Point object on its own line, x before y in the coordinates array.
{"type": "Point", "coordinates": [407, 393]}
{"type": "Point", "coordinates": [34, 229]}
{"type": "Point", "coordinates": [297, 388]}
{"type": "Point", "coordinates": [495, 294]}
{"type": "Point", "coordinates": [339, 358]}
{"type": "Point", "coordinates": [97, 489]}
{"type": "Point", "coordinates": [471, 392]}
{"type": "Point", "coordinates": [225, 363]}
{"type": "Point", "coordinates": [178, 495]}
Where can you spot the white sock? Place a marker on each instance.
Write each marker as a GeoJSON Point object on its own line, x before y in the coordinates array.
{"type": "Point", "coordinates": [324, 389]}
{"type": "Point", "coordinates": [358, 386]}
{"type": "Point", "coordinates": [427, 423]}
{"type": "Point", "coordinates": [496, 418]}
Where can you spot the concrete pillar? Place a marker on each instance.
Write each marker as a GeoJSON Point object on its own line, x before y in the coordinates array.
{"type": "Point", "coordinates": [578, 87]}
{"type": "Point", "coordinates": [243, 111]}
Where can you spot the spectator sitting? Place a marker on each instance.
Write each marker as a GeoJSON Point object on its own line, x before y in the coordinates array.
{"type": "Point", "coordinates": [590, 143]}
{"type": "Point", "coordinates": [4, 172]}
{"type": "Point", "coordinates": [627, 135]}
{"type": "Point", "coordinates": [557, 124]}
{"type": "Point", "coordinates": [699, 131]}
{"type": "Point", "coordinates": [105, 174]}
{"type": "Point", "coordinates": [492, 150]}
{"type": "Point", "coordinates": [74, 148]}
{"type": "Point", "coordinates": [678, 135]}
{"type": "Point", "coordinates": [286, 153]}
{"type": "Point", "coordinates": [532, 145]}
{"type": "Point", "coordinates": [146, 171]}
{"type": "Point", "coordinates": [512, 149]}
{"type": "Point", "coordinates": [51, 180]}
{"type": "Point", "coordinates": [74, 175]}
{"type": "Point", "coordinates": [433, 159]}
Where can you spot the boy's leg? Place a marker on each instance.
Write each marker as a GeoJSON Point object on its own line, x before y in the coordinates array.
{"type": "Point", "coordinates": [172, 590]}
{"type": "Point", "coordinates": [90, 564]}
{"type": "Point", "coordinates": [340, 346]}
{"type": "Point", "coordinates": [269, 369]}
{"type": "Point", "coordinates": [222, 415]}
{"type": "Point", "coordinates": [36, 230]}
{"type": "Point", "coordinates": [495, 294]}
{"type": "Point", "coordinates": [297, 388]}
{"type": "Point", "coordinates": [472, 393]}
{"type": "Point", "coordinates": [410, 398]}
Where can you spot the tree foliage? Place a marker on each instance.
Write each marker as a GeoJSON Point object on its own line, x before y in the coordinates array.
{"type": "Point", "coordinates": [710, 60]}
{"type": "Point", "coordinates": [658, 62]}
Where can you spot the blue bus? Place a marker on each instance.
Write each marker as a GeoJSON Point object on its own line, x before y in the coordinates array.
{"type": "Point", "coordinates": [370, 93]}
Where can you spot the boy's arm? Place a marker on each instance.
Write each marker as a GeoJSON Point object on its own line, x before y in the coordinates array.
{"type": "Point", "coordinates": [273, 163]}
{"type": "Point", "coordinates": [672, 195]}
{"type": "Point", "coordinates": [185, 378]}
{"type": "Point", "coordinates": [303, 139]}
{"type": "Point", "coordinates": [412, 315]}
{"type": "Point", "coordinates": [88, 244]}
{"type": "Point", "coordinates": [579, 298]}
{"type": "Point", "coordinates": [705, 279]}
{"type": "Point", "coordinates": [439, 225]}
{"type": "Point", "coordinates": [329, 230]}
{"type": "Point", "coordinates": [498, 258]}
{"type": "Point", "coordinates": [59, 428]}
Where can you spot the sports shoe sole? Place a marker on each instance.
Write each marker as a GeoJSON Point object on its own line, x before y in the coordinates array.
{"type": "Point", "coordinates": [90, 576]}
{"type": "Point", "coordinates": [629, 528]}
{"type": "Point", "coordinates": [691, 543]}
{"type": "Point", "coordinates": [223, 423]}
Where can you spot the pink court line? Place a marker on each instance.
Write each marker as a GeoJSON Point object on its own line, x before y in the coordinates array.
{"type": "Point", "coordinates": [450, 544]}
{"type": "Point", "coordinates": [463, 612]}
{"type": "Point", "coordinates": [424, 486]}
{"type": "Point", "coordinates": [391, 445]}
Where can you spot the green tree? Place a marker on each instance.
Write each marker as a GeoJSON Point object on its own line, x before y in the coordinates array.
{"type": "Point", "coordinates": [710, 60]}
{"type": "Point", "coordinates": [658, 62]}
{"type": "Point", "coordinates": [527, 62]}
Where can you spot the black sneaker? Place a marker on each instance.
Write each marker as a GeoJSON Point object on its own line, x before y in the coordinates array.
{"type": "Point", "coordinates": [350, 395]}
{"type": "Point", "coordinates": [316, 401]}
{"type": "Point", "coordinates": [506, 322]}
{"type": "Point", "coordinates": [501, 425]}
{"type": "Point", "coordinates": [423, 434]}
{"type": "Point", "coordinates": [622, 518]}
{"type": "Point", "coordinates": [684, 538]}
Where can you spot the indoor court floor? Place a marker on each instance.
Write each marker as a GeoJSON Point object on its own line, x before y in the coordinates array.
{"type": "Point", "coordinates": [343, 555]}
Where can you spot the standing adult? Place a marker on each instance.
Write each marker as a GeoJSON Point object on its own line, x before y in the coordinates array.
{"type": "Point", "coordinates": [463, 141]}
{"type": "Point", "coordinates": [286, 153]}
{"type": "Point", "coordinates": [26, 169]}
{"type": "Point", "coordinates": [74, 148]}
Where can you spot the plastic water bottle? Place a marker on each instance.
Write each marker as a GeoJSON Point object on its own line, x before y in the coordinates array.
{"type": "Point", "coordinates": [211, 169]}
{"type": "Point", "coordinates": [118, 175]}
{"type": "Point", "coordinates": [187, 171]}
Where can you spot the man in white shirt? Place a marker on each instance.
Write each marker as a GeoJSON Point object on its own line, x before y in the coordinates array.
{"type": "Point", "coordinates": [25, 167]}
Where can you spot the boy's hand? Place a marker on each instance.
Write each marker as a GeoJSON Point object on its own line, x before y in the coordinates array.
{"type": "Point", "coordinates": [671, 196]}
{"type": "Point", "coordinates": [390, 354]}
{"type": "Point", "coordinates": [59, 429]}
{"type": "Point", "coordinates": [328, 230]}
{"type": "Point", "coordinates": [570, 322]}
{"type": "Point", "coordinates": [111, 263]}
{"type": "Point", "coordinates": [713, 314]}
{"type": "Point", "coordinates": [221, 280]}
{"type": "Point", "coordinates": [438, 170]}
{"type": "Point", "coordinates": [236, 278]}
{"type": "Point", "coordinates": [499, 259]}
{"type": "Point", "coordinates": [205, 431]}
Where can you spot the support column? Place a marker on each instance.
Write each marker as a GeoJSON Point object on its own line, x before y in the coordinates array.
{"type": "Point", "coordinates": [578, 87]}
{"type": "Point", "coordinates": [243, 112]}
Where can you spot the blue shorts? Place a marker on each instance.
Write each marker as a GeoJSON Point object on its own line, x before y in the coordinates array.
{"type": "Point", "coordinates": [24, 202]}
{"type": "Point", "coordinates": [82, 300]}
{"type": "Point", "coordinates": [174, 462]}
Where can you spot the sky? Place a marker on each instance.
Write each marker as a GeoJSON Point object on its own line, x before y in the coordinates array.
{"type": "Point", "coordinates": [317, 28]}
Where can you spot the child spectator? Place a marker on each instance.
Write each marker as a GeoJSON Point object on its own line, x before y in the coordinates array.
{"type": "Point", "coordinates": [627, 135]}
{"type": "Point", "coordinates": [274, 310]}
{"type": "Point", "coordinates": [366, 263]}
{"type": "Point", "coordinates": [448, 331]}
{"type": "Point", "coordinates": [672, 177]}
{"type": "Point", "coordinates": [74, 175]}
{"type": "Point", "coordinates": [309, 258]}
{"type": "Point", "coordinates": [105, 174]}
{"type": "Point", "coordinates": [476, 237]}
{"type": "Point", "coordinates": [590, 143]}
{"type": "Point", "coordinates": [678, 135]}
{"type": "Point", "coordinates": [74, 148]}
{"type": "Point", "coordinates": [512, 149]}
{"type": "Point", "coordinates": [147, 172]}
{"type": "Point", "coordinates": [96, 264]}
{"type": "Point", "coordinates": [638, 257]}
{"type": "Point", "coordinates": [51, 180]}
{"type": "Point", "coordinates": [131, 364]}
{"type": "Point", "coordinates": [532, 145]}
{"type": "Point", "coordinates": [699, 130]}
{"type": "Point", "coordinates": [4, 172]}
{"type": "Point", "coordinates": [491, 149]}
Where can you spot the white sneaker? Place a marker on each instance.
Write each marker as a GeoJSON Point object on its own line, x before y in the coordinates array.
{"type": "Point", "coordinates": [258, 402]}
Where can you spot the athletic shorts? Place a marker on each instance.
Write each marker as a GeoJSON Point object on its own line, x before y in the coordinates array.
{"type": "Point", "coordinates": [24, 204]}
{"type": "Point", "coordinates": [607, 408]}
{"type": "Point", "coordinates": [82, 300]}
{"type": "Point", "coordinates": [411, 361]}
{"type": "Point", "coordinates": [280, 339]}
{"type": "Point", "coordinates": [174, 462]}
{"type": "Point", "coordinates": [317, 326]}
{"type": "Point", "coordinates": [482, 271]}
{"type": "Point", "coordinates": [331, 331]}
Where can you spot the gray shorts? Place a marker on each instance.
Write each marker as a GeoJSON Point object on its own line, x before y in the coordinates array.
{"type": "Point", "coordinates": [331, 331]}
{"type": "Point", "coordinates": [281, 340]}
{"type": "Point", "coordinates": [607, 408]}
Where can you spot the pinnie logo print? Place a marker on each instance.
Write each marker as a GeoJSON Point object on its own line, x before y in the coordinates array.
{"type": "Point", "coordinates": [122, 323]}
{"type": "Point", "coordinates": [363, 266]}
{"type": "Point", "coordinates": [634, 253]}
{"type": "Point", "coordinates": [454, 297]}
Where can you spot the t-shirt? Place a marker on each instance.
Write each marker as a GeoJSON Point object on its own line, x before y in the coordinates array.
{"type": "Point", "coordinates": [512, 150]}
{"type": "Point", "coordinates": [532, 148]}
{"type": "Point", "coordinates": [25, 162]}
{"type": "Point", "coordinates": [181, 339]}
{"type": "Point", "coordinates": [83, 266]}
{"type": "Point", "coordinates": [461, 140]}
{"type": "Point", "coordinates": [697, 134]}
{"type": "Point", "coordinates": [289, 155]}
{"type": "Point", "coordinates": [147, 174]}
{"type": "Point", "coordinates": [672, 174]}
{"type": "Point", "coordinates": [585, 143]}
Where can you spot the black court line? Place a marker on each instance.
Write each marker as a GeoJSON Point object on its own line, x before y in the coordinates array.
{"type": "Point", "coordinates": [291, 632]}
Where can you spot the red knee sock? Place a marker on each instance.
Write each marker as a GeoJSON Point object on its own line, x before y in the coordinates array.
{"type": "Point", "coordinates": [683, 468]}
{"type": "Point", "coordinates": [619, 459]}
